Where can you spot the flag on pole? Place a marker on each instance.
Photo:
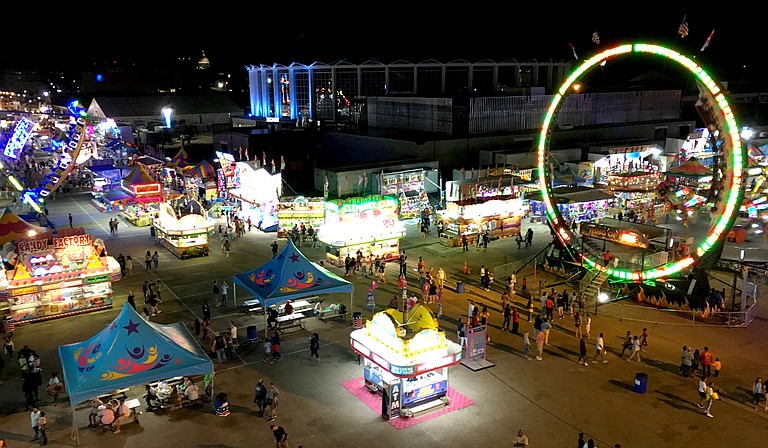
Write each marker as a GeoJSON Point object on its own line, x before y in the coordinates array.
{"type": "Point", "coordinates": [273, 166]}
{"type": "Point", "coordinates": [575, 56]}
{"type": "Point", "coordinates": [241, 152]}
{"type": "Point", "coordinates": [596, 38]}
{"type": "Point", "coordinates": [246, 154]}
{"type": "Point", "coordinates": [706, 43]}
{"type": "Point", "coordinates": [263, 158]}
{"type": "Point", "coordinates": [683, 29]}
{"type": "Point", "coordinates": [325, 186]}
{"type": "Point", "coordinates": [359, 180]}
{"type": "Point", "coordinates": [282, 164]}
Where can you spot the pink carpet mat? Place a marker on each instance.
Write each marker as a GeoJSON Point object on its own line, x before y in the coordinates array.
{"type": "Point", "coordinates": [357, 387]}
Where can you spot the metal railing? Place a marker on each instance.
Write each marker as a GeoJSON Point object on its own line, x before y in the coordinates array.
{"type": "Point", "coordinates": [638, 313]}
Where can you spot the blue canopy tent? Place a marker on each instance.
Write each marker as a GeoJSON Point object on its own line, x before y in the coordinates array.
{"type": "Point", "coordinates": [129, 351]}
{"type": "Point", "coordinates": [289, 276]}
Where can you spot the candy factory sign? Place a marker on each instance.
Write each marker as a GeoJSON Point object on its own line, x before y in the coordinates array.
{"type": "Point", "coordinates": [58, 243]}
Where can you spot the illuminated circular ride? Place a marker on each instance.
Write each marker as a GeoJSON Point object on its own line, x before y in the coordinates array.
{"type": "Point", "coordinates": [34, 197]}
{"type": "Point", "coordinates": [734, 155]}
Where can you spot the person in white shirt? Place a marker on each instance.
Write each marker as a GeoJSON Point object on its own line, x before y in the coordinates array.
{"type": "Point", "coordinates": [223, 288]}
{"type": "Point", "coordinates": [191, 391]}
{"type": "Point", "coordinates": [232, 330]}
{"type": "Point", "coordinates": [318, 307]}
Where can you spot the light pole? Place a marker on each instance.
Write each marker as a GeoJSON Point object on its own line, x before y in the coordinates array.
{"type": "Point", "coordinates": [167, 112]}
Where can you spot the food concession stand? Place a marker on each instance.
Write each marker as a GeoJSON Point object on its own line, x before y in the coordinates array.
{"type": "Point", "coordinates": [57, 276]}
{"type": "Point", "coordinates": [310, 211]}
{"type": "Point", "coordinates": [185, 236]}
{"type": "Point", "coordinates": [368, 224]}
{"type": "Point", "coordinates": [406, 358]}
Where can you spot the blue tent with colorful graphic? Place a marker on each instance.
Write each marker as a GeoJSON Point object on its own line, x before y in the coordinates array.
{"type": "Point", "coordinates": [128, 352]}
{"type": "Point", "coordinates": [289, 276]}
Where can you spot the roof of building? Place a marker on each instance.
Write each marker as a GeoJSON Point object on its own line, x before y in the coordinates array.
{"type": "Point", "coordinates": [138, 106]}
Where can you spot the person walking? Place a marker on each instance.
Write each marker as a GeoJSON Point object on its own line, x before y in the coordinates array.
{"type": "Point", "coordinates": [464, 243]}
{"type": "Point", "coordinates": [218, 347]}
{"type": "Point", "coordinates": [711, 395]}
{"type": "Point", "coordinates": [461, 332]}
{"type": "Point", "coordinates": [686, 358]}
{"type": "Point", "coordinates": [635, 349]}
{"type": "Point", "coordinates": [627, 344]}
{"type": "Point", "coordinates": [70, 220]}
{"type": "Point", "coordinates": [272, 401]}
{"type": "Point", "coordinates": [757, 391]}
{"type": "Point", "coordinates": [546, 327]}
{"type": "Point", "coordinates": [35, 421]}
{"type": "Point", "coordinates": [577, 323]}
{"type": "Point", "coordinates": [131, 299]}
{"type": "Point", "coordinates": [540, 345]}
{"type": "Point", "coordinates": [706, 362]}
{"type": "Point", "coordinates": [43, 427]}
{"type": "Point", "coordinates": [281, 437]}
{"type": "Point", "coordinates": [227, 248]}
{"type": "Point", "coordinates": [701, 389]}
{"type": "Point", "coordinates": [148, 261]}
{"type": "Point", "coordinates": [314, 346]}
{"type": "Point", "coordinates": [403, 265]}
{"type": "Point", "coordinates": [260, 397]}
{"type": "Point", "coordinates": [515, 321]}
{"type": "Point", "coordinates": [587, 322]}
{"type": "Point", "coordinates": [599, 349]}
{"type": "Point", "coordinates": [717, 365]}
{"type": "Point", "coordinates": [206, 310]}
{"type": "Point", "coordinates": [529, 306]}
{"type": "Point", "coordinates": [273, 246]}
{"type": "Point", "coordinates": [128, 265]}
{"type": "Point", "coordinates": [155, 259]}
{"type": "Point", "coordinates": [223, 289]}
{"type": "Point", "coordinates": [583, 351]}
{"type": "Point", "coordinates": [527, 345]}
{"type": "Point", "coordinates": [507, 317]}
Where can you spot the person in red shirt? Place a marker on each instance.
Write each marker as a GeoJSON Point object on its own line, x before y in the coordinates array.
{"type": "Point", "coordinates": [706, 361]}
{"type": "Point", "coordinates": [607, 257]}
{"type": "Point", "coordinates": [550, 306]}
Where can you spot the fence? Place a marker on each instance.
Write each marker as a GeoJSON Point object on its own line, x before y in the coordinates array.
{"type": "Point", "coordinates": [666, 316]}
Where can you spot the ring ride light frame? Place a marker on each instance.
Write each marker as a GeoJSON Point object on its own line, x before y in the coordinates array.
{"type": "Point", "coordinates": [733, 154]}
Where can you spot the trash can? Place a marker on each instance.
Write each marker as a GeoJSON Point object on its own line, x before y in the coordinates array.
{"type": "Point", "coordinates": [641, 383]}
{"type": "Point", "coordinates": [221, 405]}
{"type": "Point", "coordinates": [459, 287]}
{"type": "Point", "coordinates": [357, 320]}
{"type": "Point", "coordinates": [253, 334]}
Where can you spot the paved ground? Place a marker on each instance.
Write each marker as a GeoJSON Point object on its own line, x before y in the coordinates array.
{"type": "Point", "coordinates": [552, 400]}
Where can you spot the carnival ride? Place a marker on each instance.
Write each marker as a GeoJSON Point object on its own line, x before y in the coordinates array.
{"type": "Point", "coordinates": [727, 187]}
{"type": "Point", "coordinates": [35, 197]}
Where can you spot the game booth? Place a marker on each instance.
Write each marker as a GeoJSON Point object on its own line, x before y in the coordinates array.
{"type": "Point", "coordinates": [138, 196]}
{"type": "Point", "coordinates": [258, 193]}
{"type": "Point", "coordinates": [501, 218]}
{"type": "Point", "coordinates": [49, 276]}
{"type": "Point", "coordinates": [184, 234]}
{"type": "Point", "coordinates": [406, 357]}
{"type": "Point", "coordinates": [369, 224]}
{"type": "Point", "coordinates": [295, 211]}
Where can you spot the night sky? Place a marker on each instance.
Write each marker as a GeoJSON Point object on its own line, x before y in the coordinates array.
{"type": "Point", "coordinates": [234, 36]}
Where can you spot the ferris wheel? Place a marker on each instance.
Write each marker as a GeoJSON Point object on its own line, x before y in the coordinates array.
{"type": "Point", "coordinates": [715, 111]}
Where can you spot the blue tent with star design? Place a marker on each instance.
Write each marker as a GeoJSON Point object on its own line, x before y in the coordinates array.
{"type": "Point", "coordinates": [128, 352]}
{"type": "Point", "coordinates": [289, 276]}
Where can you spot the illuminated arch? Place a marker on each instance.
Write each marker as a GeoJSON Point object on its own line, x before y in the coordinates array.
{"type": "Point", "coordinates": [733, 153]}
